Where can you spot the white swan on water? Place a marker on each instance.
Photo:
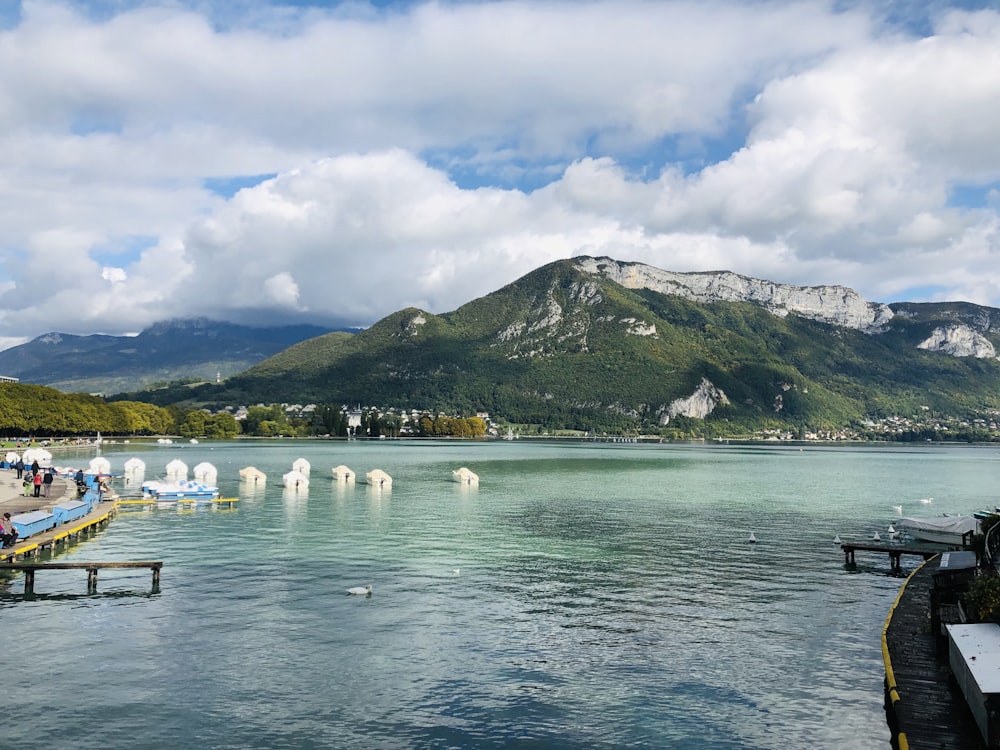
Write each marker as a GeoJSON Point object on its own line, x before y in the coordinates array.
{"type": "Point", "coordinates": [360, 590]}
{"type": "Point", "coordinates": [898, 509]}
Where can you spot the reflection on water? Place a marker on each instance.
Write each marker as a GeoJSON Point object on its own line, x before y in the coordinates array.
{"type": "Point", "coordinates": [581, 596]}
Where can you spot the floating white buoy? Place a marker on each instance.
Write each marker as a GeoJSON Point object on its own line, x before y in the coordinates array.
{"type": "Point", "coordinates": [253, 475]}
{"type": "Point", "coordinates": [752, 538]}
{"type": "Point", "coordinates": [295, 480]}
{"type": "Point", "coordinates": [343, 473]}
{"type": "Point", "coordinates": [135, 466]}
{"type": "Point", "coordinates": [836, 539]}
{"type": "Point", "coordinates": [876, 538]}
{"type": "Point", "coordinates": [361, 590]}
{"type": "Point", "coordinates": [465, 476]}
{"type": "Point", "coordinates": [177, 469]}
{"type": "Point", "coordinates": [206, 472]}
{"type": "Point", "coordinates": [378, 478]}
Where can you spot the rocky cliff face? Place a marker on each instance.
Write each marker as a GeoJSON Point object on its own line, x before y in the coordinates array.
{"type": "Point", "coordinates": [698, 405]}
{"type": "Point", "coordinates": [837, 305]}
{"type": "Point", "coordinates": [959, 341]}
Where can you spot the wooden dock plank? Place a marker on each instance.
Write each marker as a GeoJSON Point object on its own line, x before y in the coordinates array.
{"type": "Point", "coordinates": [930, 711]}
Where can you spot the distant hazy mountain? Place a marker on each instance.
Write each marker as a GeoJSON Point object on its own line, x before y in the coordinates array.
{"type": "Point", "coordinates": [597, 343]}
{"type": "Point", "coordinates": [171, 350]}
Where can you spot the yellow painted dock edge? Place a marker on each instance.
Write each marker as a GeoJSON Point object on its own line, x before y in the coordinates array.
{"type": "Point", "coordinates": [890, 677]}
{"type": "Point", "coordinates": [181, 501]}
{"type": "Point", "coordinates": [13, 552]}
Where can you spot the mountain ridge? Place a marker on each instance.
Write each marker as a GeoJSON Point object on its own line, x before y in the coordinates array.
{"type": "Point", "coordinates": [567, 345]}
{"type": "Point", "coordinates": [194, 348]}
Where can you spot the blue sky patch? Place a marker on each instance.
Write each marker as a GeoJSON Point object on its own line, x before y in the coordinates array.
{"type": "Point", "coordinates": [227, 187]}
{"type": "Point", "coordinates": [123, 251]}
{"type": "Point", "coordinates": [972, 196]}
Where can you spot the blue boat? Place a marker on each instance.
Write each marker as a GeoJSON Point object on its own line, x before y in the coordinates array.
{"type": "Point", "coordinates": [180, 490]}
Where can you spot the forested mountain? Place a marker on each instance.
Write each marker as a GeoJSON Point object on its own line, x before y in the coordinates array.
{"type": "Point", "coordinates": [196, 349]}
{"type": "Point", "coordinates": [599, 344]}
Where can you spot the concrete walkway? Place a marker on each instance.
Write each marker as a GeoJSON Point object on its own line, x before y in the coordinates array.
{"type": "Point", "coordinates": [13, 501]}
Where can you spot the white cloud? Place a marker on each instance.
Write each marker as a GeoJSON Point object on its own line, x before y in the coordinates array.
{"type": "Point", "coordinates": [114, 275]}
{"type": "Point", "coordinates": [847, 140]}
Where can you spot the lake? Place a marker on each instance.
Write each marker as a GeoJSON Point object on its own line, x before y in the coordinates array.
{"type": "Point", "coordinates": [584, 595]}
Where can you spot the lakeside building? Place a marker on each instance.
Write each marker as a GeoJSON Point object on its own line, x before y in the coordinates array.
{"type": "Point", "coordinates": [8, 379]}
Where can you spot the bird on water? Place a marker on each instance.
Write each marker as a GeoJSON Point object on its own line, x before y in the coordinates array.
{"type": "Point", "coordinates": [753, 538]}
{"type": "Point", "coordinates": [365, 590]}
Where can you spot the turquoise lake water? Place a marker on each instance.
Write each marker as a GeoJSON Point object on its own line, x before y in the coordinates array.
{"type": "Point", "coordinates": [606, 596]}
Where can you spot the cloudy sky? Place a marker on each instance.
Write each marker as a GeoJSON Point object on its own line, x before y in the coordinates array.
{"type": "Point", "coordinates": [334, 162]}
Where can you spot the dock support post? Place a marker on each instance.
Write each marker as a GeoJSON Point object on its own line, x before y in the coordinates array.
{"type": "Point", "coordinates": [29, 582]}
{"type": "Point", "coordinates": [91, 580]}
{"type": "Point", "coordinates": [156, 576]}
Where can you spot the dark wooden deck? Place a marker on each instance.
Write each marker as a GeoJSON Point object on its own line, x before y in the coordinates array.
{"type": "Point", "coordinates": [924, 706]}
{"type": "Point", "coordinates": [895, 550]}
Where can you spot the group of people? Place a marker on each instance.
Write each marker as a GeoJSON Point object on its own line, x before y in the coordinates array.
{"type": "Point", "coordinates": [35, 480]}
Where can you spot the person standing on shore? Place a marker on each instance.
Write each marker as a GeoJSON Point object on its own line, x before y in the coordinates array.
{"type": "Point", "coordinates": [20, 468]}
{"type": "Point", "coordinates": [34, 466]}
{"type": "Point", "coordinates": [37, 482]}
{"type": "Point", "coordinates": [47, 482]}
{"type": "Point", "coordinates": [28, 484]}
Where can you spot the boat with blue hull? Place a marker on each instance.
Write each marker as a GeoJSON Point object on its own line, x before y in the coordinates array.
{"type": "Point", "coordinates": [179, 490]}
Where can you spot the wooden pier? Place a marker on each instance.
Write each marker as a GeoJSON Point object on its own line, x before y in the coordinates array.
{"type": "Point", "coordinates": [894, 550]}
{"type": "Point", "coordinates": [923, 707]}
{"type": "Point", "coordinates": [29, 570]}
{"type": "Point", "coordinates": [215, 502]}
{"type": "Point", "coordinates": [59, 535]}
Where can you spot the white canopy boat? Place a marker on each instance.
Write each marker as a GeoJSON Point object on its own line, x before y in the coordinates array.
{"type": "Point", "coordinates": [940, 529]}
{"type": "Point", "coordinates": [183, 489]}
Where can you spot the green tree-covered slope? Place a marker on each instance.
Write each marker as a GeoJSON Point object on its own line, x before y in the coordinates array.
{"type": "Point", "coordinates": [566, 348]}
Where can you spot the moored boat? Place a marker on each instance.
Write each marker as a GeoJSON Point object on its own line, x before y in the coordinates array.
{"type": "Point", "coordinates": [940, 529]}
{"type": "Point", "coordinates": [179, 490]}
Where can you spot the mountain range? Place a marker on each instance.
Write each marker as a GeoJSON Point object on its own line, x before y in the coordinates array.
{"type": "Point", "coordinates": [192, 349]}
{"type": "Point", "coordinates": [600, 344]}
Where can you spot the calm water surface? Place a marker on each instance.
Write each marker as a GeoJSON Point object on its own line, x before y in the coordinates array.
{"type": "Point", "coordinates": [606, 596]}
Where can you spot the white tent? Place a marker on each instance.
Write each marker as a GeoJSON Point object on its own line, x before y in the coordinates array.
{"type": "Point", "coordinates": [206, 472]}
{"type": "Point", "coordinates": [135, 466]}
{"type": "Point", "coordinates": [99, 465]}
{"type": "Point", "coordinates": [177, 469]}
{"type": "Point", "coordinates": [295, 480]}
{"type": "Point", "coordinates": [343, 474]}
{"type": "Point", "coordinates": [378, 478]}
{"type": "Point", "coordinates": [253, 475]}
{"type": "Point", "coordinates": [301, 465]}
{"type": "Point", "coordinates": [41, 455]}
{"type": "Point", "coordinates": [465, 476]}
{"type": "Point", "coordinates": [11, 457]}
